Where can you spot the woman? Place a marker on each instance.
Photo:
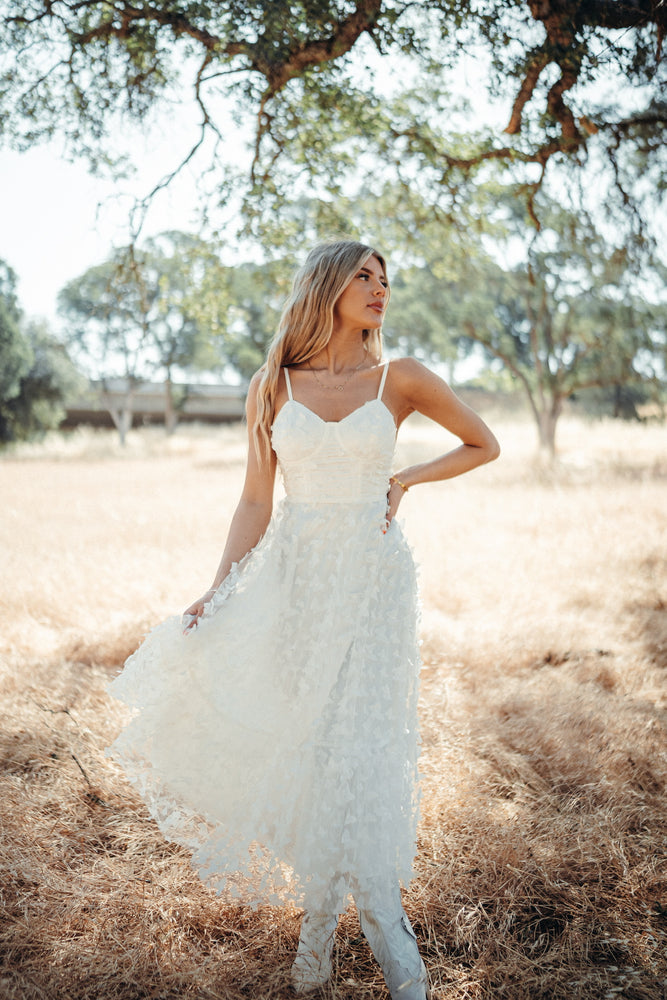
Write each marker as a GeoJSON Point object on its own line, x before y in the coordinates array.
{"type": "Point", "coordinates": [277, 732]}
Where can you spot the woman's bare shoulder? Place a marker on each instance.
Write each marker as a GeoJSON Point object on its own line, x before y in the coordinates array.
{"type": "Point", "coordinates": [408, 371]}
{"type": "Point", "coordinates": [252, 394]}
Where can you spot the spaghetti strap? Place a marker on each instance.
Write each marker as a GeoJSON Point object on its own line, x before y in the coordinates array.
{"type": "Point", "coordinates": [289, 384]}
{"type": "Point", "coordinates": [383, 379]}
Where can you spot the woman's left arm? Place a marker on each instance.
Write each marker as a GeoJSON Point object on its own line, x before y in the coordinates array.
{"type": "Point", "coordinates": [415, 388]}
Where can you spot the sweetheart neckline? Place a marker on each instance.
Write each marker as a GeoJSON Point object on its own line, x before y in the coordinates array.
{"type": "Point", "coordinates": [342, 420]}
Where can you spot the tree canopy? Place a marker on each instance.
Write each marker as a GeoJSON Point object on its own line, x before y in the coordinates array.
{"type": "Point", "coordinates": [48, 381]}
{"type": "Point", "coordinates": [566, 310]}
{"type": "Point", "coordinates": [135, 316]}
{"type": "Point", "coordinates": [36, 375]}
{"type": "Point", "coordinates": [567, 71]}
{"type": "Point", "coordinates": [15, 355]}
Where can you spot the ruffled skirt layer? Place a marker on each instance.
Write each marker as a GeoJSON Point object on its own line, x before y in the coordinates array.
{"type": "Point", "coordinates": [278, 739]}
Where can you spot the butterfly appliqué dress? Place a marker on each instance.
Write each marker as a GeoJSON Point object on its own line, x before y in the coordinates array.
{"type": "Point", "coordinates": [278, 740]}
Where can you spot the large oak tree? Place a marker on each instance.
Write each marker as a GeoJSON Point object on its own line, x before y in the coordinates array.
{"type": "Point", "coordinates": [71, 68]}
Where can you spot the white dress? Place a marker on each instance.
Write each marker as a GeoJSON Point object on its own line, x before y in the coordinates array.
{"type": "Point", "coordinates": [278, 740]}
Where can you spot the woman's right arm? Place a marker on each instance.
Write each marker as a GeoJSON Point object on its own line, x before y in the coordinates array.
{"type": "Point", "coordinates": [252, 514]}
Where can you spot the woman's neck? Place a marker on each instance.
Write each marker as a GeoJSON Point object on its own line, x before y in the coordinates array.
{"type": "Point", "coordinates": [341, 352]}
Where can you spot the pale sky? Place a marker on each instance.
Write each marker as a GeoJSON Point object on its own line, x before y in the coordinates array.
{"type": "Point", "coordinates": [48, 230]}
{"type": "Point", "coordinates": [56, 219]}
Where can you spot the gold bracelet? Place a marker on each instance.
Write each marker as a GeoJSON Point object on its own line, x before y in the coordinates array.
{"type": "Point", "coordinates": [393, 479]}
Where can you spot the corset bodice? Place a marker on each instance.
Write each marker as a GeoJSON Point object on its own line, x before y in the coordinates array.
{"type": "Point", "coordinates": [343, 461]}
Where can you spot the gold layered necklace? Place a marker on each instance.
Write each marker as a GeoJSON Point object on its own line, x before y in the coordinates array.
{"type": "Point", "coordinates": [342, 384]}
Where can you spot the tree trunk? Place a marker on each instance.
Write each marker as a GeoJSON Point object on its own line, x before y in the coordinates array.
{"type": "Point", "coordinates": [546, 427]}
{"type": "Point", "coordinates": [125, 423]}
{"type": "Point", "coordinates": [121, 415]}
{"type": "Point", "coordinates": [170, 419]}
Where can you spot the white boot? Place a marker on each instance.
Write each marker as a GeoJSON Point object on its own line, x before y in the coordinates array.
{"type": "Point", "coordinates": [312, 965]}
{"type": "Point", "coordinates": [394, 944]}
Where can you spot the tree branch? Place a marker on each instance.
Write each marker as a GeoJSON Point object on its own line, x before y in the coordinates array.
{"type": "Point", "coordinates": [539, 60]}
{"type": "Point", "coordinates": [559, 109]}
{"type": "Point", "coordinates": [286, 65]}
{"type": "Point", "coordinates": [179, 24]}
{"type": "Point", "coordinates": [622, 13]}
{"type": "Point", "coordinates": [320, 50]}
{"type": "Point", "coordinates": [563, 21]}
{"type": "Point", "coordinates": [471, 332]}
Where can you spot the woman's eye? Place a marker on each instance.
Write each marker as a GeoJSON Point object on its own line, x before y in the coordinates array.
{"type": "Point", "coordinates": [367, 277]}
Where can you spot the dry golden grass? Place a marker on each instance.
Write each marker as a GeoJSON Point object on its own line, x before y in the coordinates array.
{"type": "Point", "coordinates": [541, 865]}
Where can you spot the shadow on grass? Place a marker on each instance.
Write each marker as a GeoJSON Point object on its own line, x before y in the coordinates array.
{"type": "Point", "coordinates": [543, 866]}
{"type": "Point", "coordinates": [652, 625]}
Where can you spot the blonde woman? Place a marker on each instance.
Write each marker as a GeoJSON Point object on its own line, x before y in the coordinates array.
{"type": "Point", "coordinates": [276, 731]}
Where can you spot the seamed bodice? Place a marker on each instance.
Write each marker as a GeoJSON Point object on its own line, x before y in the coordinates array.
{"type": "Point", "coordinates": [345, 461]}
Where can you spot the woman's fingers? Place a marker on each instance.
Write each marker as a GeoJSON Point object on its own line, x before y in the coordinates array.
{"type": "Point", "coordinates": [394, 497]}
{"type": "Point", "coordinates": [192, 615]}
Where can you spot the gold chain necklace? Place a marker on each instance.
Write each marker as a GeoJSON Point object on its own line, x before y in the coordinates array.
{"type": "Point", "coordinates": [342, 384]}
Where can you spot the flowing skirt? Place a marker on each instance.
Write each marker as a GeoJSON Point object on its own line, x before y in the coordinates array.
{"type": "Point", "coordinates": [278, 740]}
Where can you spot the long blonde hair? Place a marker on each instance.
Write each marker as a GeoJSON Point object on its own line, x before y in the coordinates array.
{"type": "Point", "coordinates": [307, 322]}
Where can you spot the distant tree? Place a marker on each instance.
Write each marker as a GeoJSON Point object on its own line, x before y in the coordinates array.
{"type": "Point", "coordinates": [239, 306]}
{"type": "Point", "coordinates": [256, 294]}
{"type": "Point", "coordinates": [562, 323]}
{"type": "Point", "coordinates": [622, 402]}
{"type": "Point", "coordinates": [419, 320]}
{"type": "Point", "coordinates": [36, 375]}
{"type": "Point", "coordinates": [134, 316]}
{"type": "Point", "coordinates": [15, 353]}
{"type": "Point", "coordinates": [44, 388]}
{"type": "Point", "coordinates": [568, 317]}
{"type": "Point", "coordinates": [567, 308]}
{"type": "Point", "coordinates": [106, 330]}
{"type": "Point", "coordinates": [173, 269]}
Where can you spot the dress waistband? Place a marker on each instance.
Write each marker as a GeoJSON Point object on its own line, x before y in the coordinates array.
{"type": "Point", "coordinates": [351, 500]}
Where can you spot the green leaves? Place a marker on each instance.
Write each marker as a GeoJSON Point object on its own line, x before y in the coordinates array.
{"type": "Point", "coordinates": [135, 315]}
{"type": "Point", "coordinates": [73, 69]}
{"type": "Point", "coordinates": [36, 375]}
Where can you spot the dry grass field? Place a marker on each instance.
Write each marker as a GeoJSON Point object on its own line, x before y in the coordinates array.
{"type": "Point", "coordinates": [542, 868]}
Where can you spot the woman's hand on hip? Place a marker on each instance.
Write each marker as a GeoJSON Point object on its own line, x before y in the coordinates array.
{"type": "Point", "coordinates": [395, 494]}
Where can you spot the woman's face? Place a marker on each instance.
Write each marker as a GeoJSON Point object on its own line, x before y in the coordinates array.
{"type": "Point", "coordinates": [362, 303]}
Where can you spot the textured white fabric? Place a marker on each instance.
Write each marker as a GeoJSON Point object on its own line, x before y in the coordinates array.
{"type": "Point", "coordinates": [278, 740]}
